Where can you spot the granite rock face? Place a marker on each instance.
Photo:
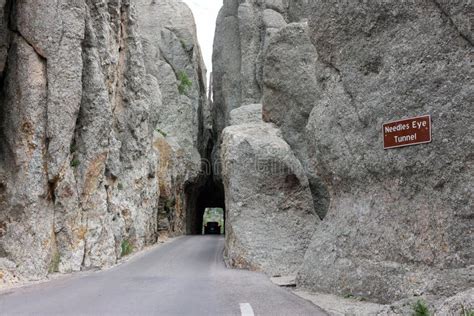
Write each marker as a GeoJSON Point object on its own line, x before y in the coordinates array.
{"type": "Point", "coordinates": [290, 91]}
{"type": "Point", "coordinates": [173, 58]}
{"type": "Point", "coordinates": [269, 213]}
{"type": "Point", "coordinates": [244, 29]}
{"type": "Point", "coordinates": [242, 34]}
{"type": "Point", "coordinates": [400, 221]}
{"type": "Point", "coordinates": [85, 114]}
{"type": "Point", "coordinates": [251, 113]}
{"type": "Point", "coordinates": [396, 223]}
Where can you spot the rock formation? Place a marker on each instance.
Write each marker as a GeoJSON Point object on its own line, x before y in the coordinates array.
{"type": "Point", "coordinates": [396, 223]}
{"type": "Point", "coordinates": [243, 36]}
{"type": "Point", "coordinates": [102, 120]}
{"type": "Point", "coordinates": [108, 141]}
{"type": "Point", "coordinates": [400, 221]}
{"type": "Point", "coordinates": [270, 215]}
{"type": "Point", "coordinates": [173, 57]}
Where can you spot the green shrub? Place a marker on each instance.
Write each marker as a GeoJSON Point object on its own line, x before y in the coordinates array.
{"type": "Point", "coordinates": [75, 163]}
{"type": "Point", "coordinates": [120, 186]}
{"type": "Point", "coordinates": [127, 248]}
{"type": "Point", "coordinates": [420, 309]}
{"type": "Point", "coordinates": [184, 82]}
{"type": "Point", "coordinates": [73, 148]}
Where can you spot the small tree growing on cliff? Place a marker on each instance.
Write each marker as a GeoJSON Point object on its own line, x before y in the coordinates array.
{"type": "Point", "coordinates": [184, 82]}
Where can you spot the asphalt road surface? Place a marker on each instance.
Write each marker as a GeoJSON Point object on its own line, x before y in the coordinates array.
{"type": "Point", "coordinates": [186, 276]}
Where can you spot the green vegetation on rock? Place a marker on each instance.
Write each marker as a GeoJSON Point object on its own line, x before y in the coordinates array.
{"type": "Point", "coordinates": [420, 309]}
{"type": "Point", "coordinates": [75, 163]}
{"type": "Point", "coordinates": [73, 148]}
{"type": "Point", "coordinates": [127, 248]}
{"type": "Point", "coordinates": [184, 82]}
{"type": "Point", "coordinates": [466, 312]}
{"type": "Point", "coordinates": [54, 264]}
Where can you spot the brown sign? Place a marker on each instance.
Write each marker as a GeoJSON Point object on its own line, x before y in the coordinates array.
{"type": "Point", "coordinates": [411, 131]}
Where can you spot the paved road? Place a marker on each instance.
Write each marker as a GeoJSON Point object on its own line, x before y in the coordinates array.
{"type": "Point", "coordinates": [184, 277]}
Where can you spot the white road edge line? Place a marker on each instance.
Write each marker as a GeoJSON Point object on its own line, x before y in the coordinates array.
{"type": "Point", "coordinates": [246, 309]}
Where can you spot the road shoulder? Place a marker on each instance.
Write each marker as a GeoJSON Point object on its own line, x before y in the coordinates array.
{"type": "Point", "coordinates": [6, 288]}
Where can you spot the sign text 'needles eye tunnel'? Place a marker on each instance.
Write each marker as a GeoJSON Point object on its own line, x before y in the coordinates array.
{"type": "Point", "coordinates": [406, 132]}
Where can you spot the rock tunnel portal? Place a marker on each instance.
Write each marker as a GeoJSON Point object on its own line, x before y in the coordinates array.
{"type": "Point", "coordinates": [198, 198]}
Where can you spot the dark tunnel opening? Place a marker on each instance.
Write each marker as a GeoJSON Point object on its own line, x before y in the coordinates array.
{"type": "Point", "coordinates": [199, 197]}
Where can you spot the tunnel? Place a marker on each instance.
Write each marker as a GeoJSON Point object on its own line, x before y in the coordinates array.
{"type": "Point", "coordinates": [208, 194]}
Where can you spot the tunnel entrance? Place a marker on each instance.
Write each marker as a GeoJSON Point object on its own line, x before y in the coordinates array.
{"type": "Point", "coordinates": [209, 195]}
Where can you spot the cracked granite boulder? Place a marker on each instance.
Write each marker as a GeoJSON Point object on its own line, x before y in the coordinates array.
{"type": "Point", "coordinates": [290, 91]}
{"type": "Point", "coordinates": [270, 216]}
{"type": "Point", "coordinates": [242, 34]}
